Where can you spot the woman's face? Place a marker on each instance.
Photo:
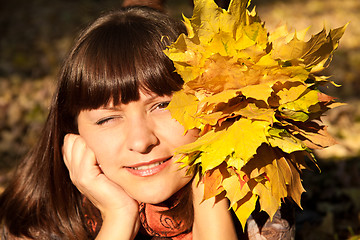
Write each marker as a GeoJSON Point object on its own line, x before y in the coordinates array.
{"type": "Point", "coordinates": [134, 143]}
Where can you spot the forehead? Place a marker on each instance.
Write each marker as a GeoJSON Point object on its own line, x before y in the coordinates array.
{"type": "Point", "coordinates": [145, 97]}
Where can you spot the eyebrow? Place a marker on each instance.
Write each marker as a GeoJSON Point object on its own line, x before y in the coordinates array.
{"type": "Point", "coordinates": [151, 98]}
{"type": "Point", "coordinates": [112, 108]}
{"type": "Point", "coordinates": [148, 100]}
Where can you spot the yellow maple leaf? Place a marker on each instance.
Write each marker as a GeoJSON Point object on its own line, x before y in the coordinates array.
{"type": "Point", "coordinates": [254, 97]}
{"type": "Point", "coordinates": [292, 93]}
{"type": "Point", "coordinates": [244, 207]}
{"type": "Point", "coordinates": [285, 141]}
{"type": "Point", "coordinates": [183, 107]}
{"type": "Point", "coordinates": [268, 202]}
{"type": "Point", "coordinates": [234, 189]}
{"type": "Point", "coordinates": [213, 181]}
{"type": "Point", "coordinates": [295, 188]}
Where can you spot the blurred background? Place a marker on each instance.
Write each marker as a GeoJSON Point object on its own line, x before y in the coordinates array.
{"type": "Point", "coordinates": [35, 36]}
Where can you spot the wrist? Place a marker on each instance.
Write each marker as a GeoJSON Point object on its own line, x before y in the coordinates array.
{"type": "Point", "coordinates": [119, 226]}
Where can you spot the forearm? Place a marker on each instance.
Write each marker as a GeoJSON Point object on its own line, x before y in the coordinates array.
{"type": "Point", "coordinates": [212, 221]}
{"type": "Point", "coordinates": [115, 228]}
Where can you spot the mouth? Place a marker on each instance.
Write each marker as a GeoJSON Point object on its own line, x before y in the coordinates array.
{"type": "Point", "coordinates": [148, 169]}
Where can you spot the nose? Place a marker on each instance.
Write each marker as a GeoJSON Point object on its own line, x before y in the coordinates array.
{"type": "Point", "coordinates": [141, 135]}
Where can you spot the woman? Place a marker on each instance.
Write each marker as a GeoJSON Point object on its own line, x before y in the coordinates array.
{"type": "Point", "coordinates": [107, 148]}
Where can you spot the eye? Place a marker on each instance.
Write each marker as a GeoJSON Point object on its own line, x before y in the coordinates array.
{"type": "Point", "coordinates": [105, 120]}
{"type": "Point", "coordinates": [161, 105]}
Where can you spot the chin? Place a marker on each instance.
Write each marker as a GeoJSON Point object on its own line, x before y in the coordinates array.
{"type": "Point", "coordinates": [157, 191]}
{"type": "Point", "coordinates": [155, 195]}
{"type": "Point", "coordinates": [153, 198]}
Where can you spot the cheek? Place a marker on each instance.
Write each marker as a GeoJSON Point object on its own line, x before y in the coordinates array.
{"type": "Point", "coordinates": [103, 146]}
{"type": "Point", "coordinates": [106, 154]}
{"type": "Point", "coordinates": [175, 133]}
{"type": "Point", "coordinates": [189, 137]}
{"type": "Point", "coordinates": [192, 135]}
{"type": "Point", "coordinates": [182, 178]}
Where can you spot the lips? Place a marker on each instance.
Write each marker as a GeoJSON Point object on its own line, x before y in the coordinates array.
{"type": "Point", "coordinates": [149, 168]}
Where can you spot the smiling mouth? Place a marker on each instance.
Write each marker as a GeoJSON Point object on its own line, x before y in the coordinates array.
{"type": "Point", "coordinates": [148, 169]}
{"type": "Point", "coordinates": [148, 166]}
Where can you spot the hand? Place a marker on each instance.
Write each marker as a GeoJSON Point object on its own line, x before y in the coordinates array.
{"type": "Point", "coordinates": [212, 220]}
{"type": "Point", "coordinates": [118, 210]}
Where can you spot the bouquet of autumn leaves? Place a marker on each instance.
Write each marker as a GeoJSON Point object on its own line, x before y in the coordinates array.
{"type": "Point", "coordinates": [255, 98]}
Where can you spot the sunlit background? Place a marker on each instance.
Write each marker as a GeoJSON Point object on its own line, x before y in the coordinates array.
{"type": "Point", "coordinates": [35, 36]}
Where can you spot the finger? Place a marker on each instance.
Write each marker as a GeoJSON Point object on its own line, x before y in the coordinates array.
{"type": "Point", "coordinates": [81, 162]}
{"type": "Point", "coordinates": [87, 164]}
{"type": "Point", "coordinates": [77, 153]}
{"type": "Point", "coordinates": [73, 153]}
{"type": "Point", "coordinates": [67, 148]}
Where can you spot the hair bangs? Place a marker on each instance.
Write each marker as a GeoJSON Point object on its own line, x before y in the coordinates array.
{"type": "Point", "coordinates": [114, 61]}
{"type": "Point", "coordinates": [105, 70]}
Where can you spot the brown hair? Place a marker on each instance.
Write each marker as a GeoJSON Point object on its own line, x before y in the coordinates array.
{"type": "Point", "coordinates": [115, 57]}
